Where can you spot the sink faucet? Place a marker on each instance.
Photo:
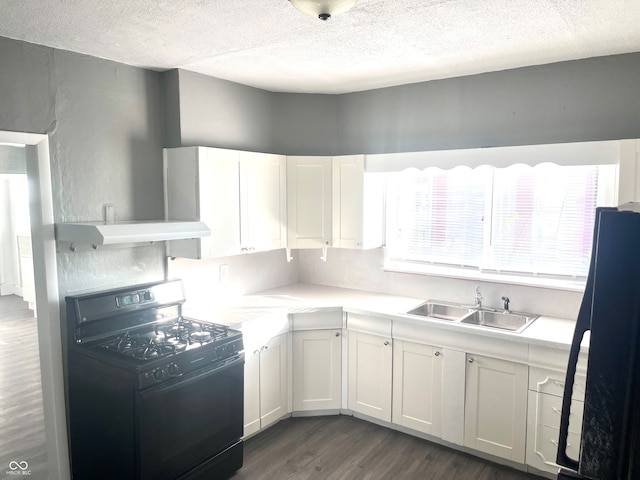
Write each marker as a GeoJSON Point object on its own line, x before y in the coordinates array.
{"type": "Point", "coordinates": [506, 301]}
{"type": "Point", "coordinates": [478, 297]}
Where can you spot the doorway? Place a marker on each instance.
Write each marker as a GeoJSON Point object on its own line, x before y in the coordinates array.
{"type": "Point", "coordinates": [43, 249]}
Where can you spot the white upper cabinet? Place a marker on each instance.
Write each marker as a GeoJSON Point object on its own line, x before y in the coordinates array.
{"type": "Point", "coordinates": [239, 195]}
{"type": "Point", "coordinates": [309, 202]}
{"type": "Point", "coordinates": [204, 184]}
{"type": "Point", "coordinates": [263, 202]}
{"type": "Point", "coordinates": [358, 204]}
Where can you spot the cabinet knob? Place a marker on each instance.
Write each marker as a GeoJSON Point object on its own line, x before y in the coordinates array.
{"type": "Point", "coordinates": [337, 334]}
{"type": "Point", "coordinates": [437, 354]}
{"type": "Point", "coordinates": [470, 360]}
{"type": "Point", "coordinates": [386, 342]}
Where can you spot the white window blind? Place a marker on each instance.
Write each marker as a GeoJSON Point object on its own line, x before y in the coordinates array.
{"type": "Point", "coordinates": [532, 220]}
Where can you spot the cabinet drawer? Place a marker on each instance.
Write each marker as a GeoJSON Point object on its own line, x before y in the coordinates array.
{"type": "Point", "coordinates": [552, 382]}
{"type": "Point", "coordinates": [545, 409]}
{"type": "Point", "coordinates": [542, 447]}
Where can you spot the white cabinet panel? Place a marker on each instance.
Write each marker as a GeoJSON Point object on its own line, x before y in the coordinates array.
{"type": "Point", "coordinates": [370, 373]}
{"type": "Point", "coordinates": [204, 184]}
{"type": "Point", "coordinates": [265, 383]}
{"type": "Point", "coordinates": [358, 204]}
{"type": "Point", "coordinates": [496, 407]}
{"type": "Point", "coordinates": [417, 386]}
{"type": "Point", "coordinates": [263, 202]}
{"type": "Point", "coordinates": [308, 202]}
{"type": "Point", "coordinates": [273, 381]}
{"type": "Point", "coordinates": [317, 370]}
{"type": "Point", "coordinates": [251, 393]}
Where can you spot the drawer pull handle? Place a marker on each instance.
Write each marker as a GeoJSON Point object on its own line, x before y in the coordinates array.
{"type": "Point", "coordinates": [437, 354]}
{"type": "Point", "coordinates": [555, 442]}
{"type": "Point", "coordinates": [556, 410]}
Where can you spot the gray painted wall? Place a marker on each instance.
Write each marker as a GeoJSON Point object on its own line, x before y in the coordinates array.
{"type": "Point", "coordinates": [592, 99]}
{"type": "Point", "coordinates": [105, 127]}
{"type": "Point", "coordinates": [219, 113]}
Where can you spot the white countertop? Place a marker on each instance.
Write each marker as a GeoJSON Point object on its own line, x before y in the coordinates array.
{"type": "Point", "coordinates": [302, 297]}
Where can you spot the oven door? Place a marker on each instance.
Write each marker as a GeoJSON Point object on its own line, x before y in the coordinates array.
{"type": "Point", "coordinates": [189, 420]}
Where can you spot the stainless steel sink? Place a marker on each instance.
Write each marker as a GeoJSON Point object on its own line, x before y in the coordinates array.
{"type": "Point", "coordinates": [515, 322]}
{"type": "Point", "coordinates": [441, 310]}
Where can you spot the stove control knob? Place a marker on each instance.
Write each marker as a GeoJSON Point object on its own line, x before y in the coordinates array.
{"type": "Point", "coordinates": [173, 370]}
{"type": "Point", "coordinates": [158, 374]}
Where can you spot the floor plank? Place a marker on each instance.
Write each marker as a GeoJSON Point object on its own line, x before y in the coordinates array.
{"type": "Point", "coordinates": [346, 448]}
{"type": "Point", "coordinates": [22, 436]}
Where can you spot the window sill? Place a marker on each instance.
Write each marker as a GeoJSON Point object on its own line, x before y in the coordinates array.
{"type": "Point", "coordinates": [467, 274]}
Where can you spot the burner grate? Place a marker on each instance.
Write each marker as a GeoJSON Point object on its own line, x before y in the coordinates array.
{"type": "Point", "coordinates": [165, 339]}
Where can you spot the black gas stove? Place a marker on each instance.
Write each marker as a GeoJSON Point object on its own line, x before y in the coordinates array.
{"type": "Point", "coordinates": [131, 356]}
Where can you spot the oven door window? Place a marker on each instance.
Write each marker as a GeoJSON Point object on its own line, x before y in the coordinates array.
{"type": "Point", "coordinates": [189, 421]}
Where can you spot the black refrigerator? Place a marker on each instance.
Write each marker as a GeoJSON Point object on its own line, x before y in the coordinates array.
{"type": "Point", "coordinates": [610, 310]}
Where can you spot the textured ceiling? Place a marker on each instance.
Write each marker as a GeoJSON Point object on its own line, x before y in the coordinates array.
{"type": "Point", "coordinates": [270, 45]}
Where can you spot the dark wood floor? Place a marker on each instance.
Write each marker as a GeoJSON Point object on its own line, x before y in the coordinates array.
{"type": "Point", "coordinates": [346, 448]}
{"type": "Point", "coordinates": [22, 435]}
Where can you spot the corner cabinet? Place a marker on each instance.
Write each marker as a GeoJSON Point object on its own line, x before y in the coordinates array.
{"type": "Point", "coordinates": [317, 370]}
{"type": "Point", "coordinates": [240, 195]}
{"type": "Point", "coordinates": [358, 204]}
{"type": "Point", "coordinates": [309, 202]}
{"type": "Point", "coordinates": [496, 407]}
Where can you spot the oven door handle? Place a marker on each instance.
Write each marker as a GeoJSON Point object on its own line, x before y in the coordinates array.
{"type": "Point", "coordinates": [189, 378]}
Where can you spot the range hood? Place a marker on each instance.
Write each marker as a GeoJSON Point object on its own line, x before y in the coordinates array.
{"type": "Point", "coordinates": [102, 233]}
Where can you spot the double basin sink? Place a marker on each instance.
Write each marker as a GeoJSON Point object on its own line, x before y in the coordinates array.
{"type": "Point", "coordinates": [480, 316]}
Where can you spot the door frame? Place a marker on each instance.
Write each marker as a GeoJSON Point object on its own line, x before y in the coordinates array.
{"type": "Point", "coordinates": [47, 297]}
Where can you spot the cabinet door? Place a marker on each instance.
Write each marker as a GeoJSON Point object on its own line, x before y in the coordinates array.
{"type": "Point", "coordinates": [273, 380]}
{"type": "Point", "coordinates": [417, 387]}
{"type": "Point", "coordinates": [308, 202]}
{"type": "Point", "coordinates": [317, 370]}
{"type": "Point", "coordinates": [347, 200]}
{"type": "Point", "coordinates": [370, 361]}
{"type": "Point", "coordinates": [220, 201]}
{"type": "Point", "coordinates": [496, 407]}
{"type": "Point", "coordinates": [204, 184]}
{"type": "Point", "coordinates": [251, 393]}
{"type": "Point", "coordinates": [263, 201]}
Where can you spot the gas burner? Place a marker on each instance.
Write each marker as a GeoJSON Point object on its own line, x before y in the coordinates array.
{"type": "Point", "coordinates": [201, 336]}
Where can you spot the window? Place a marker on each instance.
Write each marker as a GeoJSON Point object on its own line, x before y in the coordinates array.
{"type": "Point", "coordinates": [520, 220]}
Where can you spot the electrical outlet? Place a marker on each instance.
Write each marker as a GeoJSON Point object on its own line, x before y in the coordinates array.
{"type": "Point", "coordinates": [223, 273]}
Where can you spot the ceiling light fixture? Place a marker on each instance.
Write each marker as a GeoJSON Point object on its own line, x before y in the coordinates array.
{"type": "Point", "coordinates": [323, 9]}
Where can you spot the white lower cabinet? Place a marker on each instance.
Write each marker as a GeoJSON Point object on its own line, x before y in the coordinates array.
{"type": "Point", "coordinates": [370, 373]}
{"type": "Point", "coordinates": [317, 370]}
{"type": "Point", "coordinates": [417, 387]}
{"type": "Point", "coordinates": [265, 384]}
{"type": "Point", "coordinates": [543, 422]}
{"type": "Point", "coordinates": [496, 407]}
